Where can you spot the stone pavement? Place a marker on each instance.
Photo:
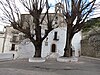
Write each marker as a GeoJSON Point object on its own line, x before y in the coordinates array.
{"type": "Point", "coordinates": [85, 66]}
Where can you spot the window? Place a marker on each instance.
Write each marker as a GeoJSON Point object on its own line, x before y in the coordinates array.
{"type": "Point", "coordinates": [13, 47]}
{"type": "Point", "coordinates": [55, 36]}
{"type": "Point", "coordinates": [14, 39]}
{"type": "Point", "coordinates": [46, 43]}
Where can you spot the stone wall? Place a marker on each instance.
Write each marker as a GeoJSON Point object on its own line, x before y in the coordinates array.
{"type": "Point", "coordinates": [90, 45]}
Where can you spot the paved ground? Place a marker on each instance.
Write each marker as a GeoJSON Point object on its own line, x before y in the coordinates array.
{"type": "Point", "coordinates": [85, 66]}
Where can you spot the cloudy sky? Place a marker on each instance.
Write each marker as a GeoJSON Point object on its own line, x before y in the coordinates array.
{"type": "Point", "coordinates": [51, 10]}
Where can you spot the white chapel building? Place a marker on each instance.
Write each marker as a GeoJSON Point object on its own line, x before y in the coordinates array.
{"type": "Point", "coordinates": [52, 47]}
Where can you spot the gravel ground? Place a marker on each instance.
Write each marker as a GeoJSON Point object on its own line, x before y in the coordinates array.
{"type": "Point", "coordinates": [85, 66]}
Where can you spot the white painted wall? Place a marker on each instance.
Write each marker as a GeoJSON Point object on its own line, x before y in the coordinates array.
{"type": "Point", "coordinates": [76, 43]}
{"type": "Point", "coordinates": [1, 43]}
{"type": "Point", "coordinates": [27, 50]}
{"type": "Point", "coordinates": [8, 44]}
{"type": "Point", "coordinates": [46, 50]}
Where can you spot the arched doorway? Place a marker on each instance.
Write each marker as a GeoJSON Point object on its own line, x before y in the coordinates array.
{"type": "Point", "coordinates": [53, 48]}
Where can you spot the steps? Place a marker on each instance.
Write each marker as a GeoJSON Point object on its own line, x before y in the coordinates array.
{"type": "Point", "coordinates": [52, 55]}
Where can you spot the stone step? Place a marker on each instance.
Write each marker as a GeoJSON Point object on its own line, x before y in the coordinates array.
{"type": "Point", "coordinates": [53, 55]}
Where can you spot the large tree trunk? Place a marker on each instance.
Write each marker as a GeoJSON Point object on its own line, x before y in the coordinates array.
{"type": "Point", "coordinates": [38, 42]}
{"type": "Point", "coordinates": [38, 49]}
{"type": "Point", "coordinates": [68, 49]}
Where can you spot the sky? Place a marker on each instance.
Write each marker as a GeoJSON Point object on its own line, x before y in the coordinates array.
{"type": "Point", "coordinates": [51, 10]}
{"type": "Point", "coordinates": [97, 11]}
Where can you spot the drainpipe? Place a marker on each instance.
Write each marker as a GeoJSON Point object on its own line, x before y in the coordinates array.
{"type": "Point", "coordinates": [4, 40]}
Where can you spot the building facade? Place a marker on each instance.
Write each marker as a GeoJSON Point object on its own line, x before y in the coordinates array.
{"type": "Point", "coordinates": [52, 46]}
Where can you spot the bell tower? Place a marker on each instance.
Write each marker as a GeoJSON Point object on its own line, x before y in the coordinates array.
{"type": "Point", "coordinates": [59, 9]}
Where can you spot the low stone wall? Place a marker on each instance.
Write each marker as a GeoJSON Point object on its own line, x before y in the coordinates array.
{"type": "Point", "coordinates": [6, 56]}
{"type": "Point", "coordinates": [87, 49]}
{"type": "Point", "coordinates": [90, 45]}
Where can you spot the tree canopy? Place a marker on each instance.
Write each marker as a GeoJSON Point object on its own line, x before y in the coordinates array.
{"type": "Point", "coordinates": [90, 24]}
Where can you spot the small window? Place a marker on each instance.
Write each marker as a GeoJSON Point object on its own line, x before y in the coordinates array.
{"type": "Point", "coordinates": [55, 36]}
{"type": "Point", "coordinates": [46, 43]}
{"type": "Point", "coordinates": [13, 47]}
{"type": "Point", "coordinates": [14, 38]}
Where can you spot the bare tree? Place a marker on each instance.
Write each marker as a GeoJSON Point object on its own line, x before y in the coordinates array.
{"type": "Point", "coordinates": [35, 8]}
{"type": "Point", "coordinates": [76, 12]}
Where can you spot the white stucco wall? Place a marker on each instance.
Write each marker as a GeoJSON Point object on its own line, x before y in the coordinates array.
{"type": "Point", "coordinates": [7, 47]}
{"type": "Point", "coordinates": [7, 44]}
{"type": "Point", "coordinates": [1, 43]}
{"type": "Point", "coordinates": [27, 50]}
{"type": "Point", "coordinates": [76, 43]}
{"type": "Point", "coordinates": [46, 50]}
